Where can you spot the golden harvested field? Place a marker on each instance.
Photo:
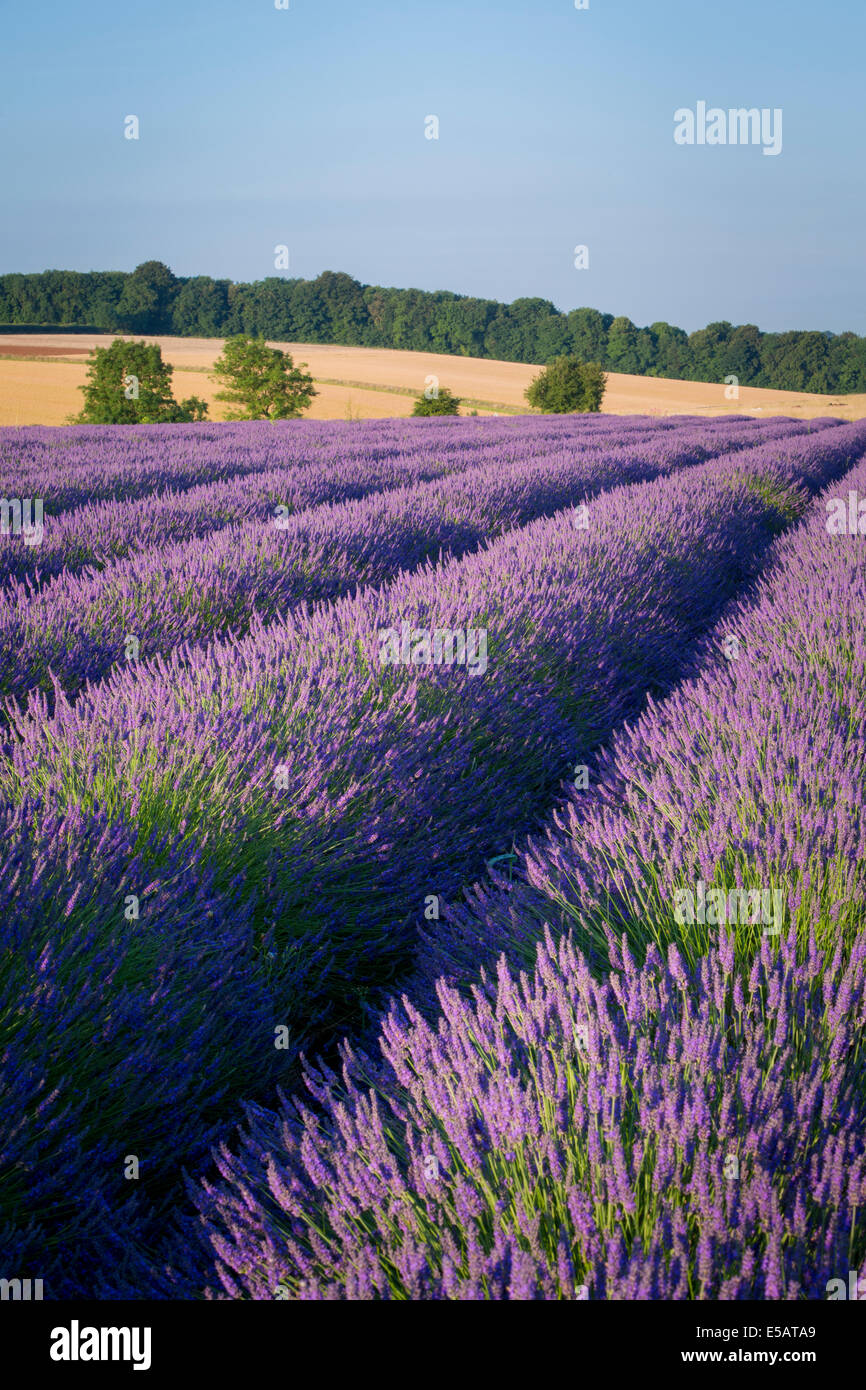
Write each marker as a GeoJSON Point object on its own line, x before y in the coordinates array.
{"type": "Point", "coordinates": [45, 392]}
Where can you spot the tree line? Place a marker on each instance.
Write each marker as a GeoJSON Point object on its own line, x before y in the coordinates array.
{"type": "Point", "coordinates": [335, 308]}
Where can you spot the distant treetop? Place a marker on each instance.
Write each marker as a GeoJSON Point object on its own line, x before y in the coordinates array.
{"type": "Point", "coordinates": [334, 308]}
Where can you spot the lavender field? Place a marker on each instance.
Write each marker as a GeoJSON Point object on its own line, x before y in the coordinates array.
{"type": "Point", "coordinates": [433, 859]}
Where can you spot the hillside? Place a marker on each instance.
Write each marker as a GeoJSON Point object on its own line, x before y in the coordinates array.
{"type": "Point", "coordinates": [371, 383]}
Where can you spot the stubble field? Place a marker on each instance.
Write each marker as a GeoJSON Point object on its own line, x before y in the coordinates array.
{"type": "Point", "coordinates": [374, 383]}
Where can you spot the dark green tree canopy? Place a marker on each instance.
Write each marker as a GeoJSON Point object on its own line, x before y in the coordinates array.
{"type": "Point", "coordinates": [567, 386]}
{"type": "Point", "coordinates": [129, 384]}
{"type": "Point", "coordinates": [335, 308]}
{"type": "Point", "coordinates": [262, 383]}
{"type": "Point", "coordinates": [146, 300]}
{"type": "Point", "coordinates": [442, 403]}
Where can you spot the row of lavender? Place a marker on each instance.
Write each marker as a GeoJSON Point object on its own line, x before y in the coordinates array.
{"type": "Point", "coordinates": [77, 627]}
{"type": "Point", "coordinates": [251, 471]}
{"type": "Point", "coordinates": [692, 1124]}
{"type": "Point", "coordinates": [70, 468]}
{"type": "Point", "coordinates": [749, 779]}
{"type": "Point", "coordinates": [205, 861]}
{"type": "Point", "coordinates": [277, 475]}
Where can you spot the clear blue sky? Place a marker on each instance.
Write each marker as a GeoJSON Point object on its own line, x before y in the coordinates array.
{"type": "Point", "coordinates": [306, 127]}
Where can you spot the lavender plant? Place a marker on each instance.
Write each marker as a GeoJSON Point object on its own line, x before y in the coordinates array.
{"type": "Point", "coordinates": [749, 777]}
{"type": "Point", "coordinates": [671, 1131]}
{"type": "Point", "coordinates": [256, 469]}
{"type": "Point", "coordinates": [296, 754]}
{"type": "Point", "coordinates": [216, 856]}
{"type": "Point", "coordinates": [75, 628]}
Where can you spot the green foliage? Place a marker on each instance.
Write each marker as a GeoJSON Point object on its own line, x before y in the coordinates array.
{"type": "Point", "coordinates": [129, 384]}
{"type": "Point", "coordinates": [262, 382]}
{"type": "Point", "coordinates": [594, 382]}
{"type": "Point", "coordinates": [191, 410]}
{"type": "Point", "coordinates": [567, 386]}
{"type": "Point", "coordinates": [624, 346]}
{"type": "Point", "coordinates": [335, 308]}
{"type": "Point", "coordinates": [146, 300]}
{"type": "Point", "coordinates": [443, 403]}
{"type": "Point", "coordinates": [200, 308]}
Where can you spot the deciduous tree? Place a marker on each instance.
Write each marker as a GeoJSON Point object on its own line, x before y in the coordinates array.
{"type": "Point", "coordinates": [262, 383]}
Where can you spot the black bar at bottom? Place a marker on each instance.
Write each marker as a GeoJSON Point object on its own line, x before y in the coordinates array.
{"type": "Point", "coordinates": [243, 1338]}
